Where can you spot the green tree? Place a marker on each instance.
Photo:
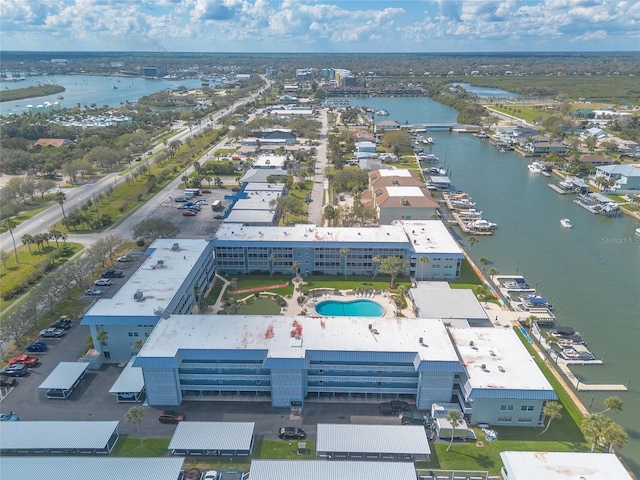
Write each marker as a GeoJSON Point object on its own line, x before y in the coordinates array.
{"type": "Point", "coordinates": [103, 338]}
{"type": "Point", "coordinates": [472, 241]}
{"type": "Point", "coordinates": [154, 228]}
{"type": "Point", "coordinates": [612, 403]}
{"type": "Point", "coordinates": [27, 240]}
{"type": "Point", "coordinates": [423, 263]}
{"type": "Point", "coordinates": [483, 261]}
{"type": "Point", "coordinates": [594, 428]}
{"type": "Point", "coordinates": [10, 224]}
{"type": "Point", "coordinates": [60, 197]}
{"type": "Point", "coordinates": [493, 271]}
{"type": "Point", "coordinates": [552, 411]}
{"type": "Point", "coordinates": [272, 260]}
{"type": "Point", "coordinates": [134, 416]}
{"type": "Point", "coordinates": [396, 141]}
{"type": "Point", "coordinates": [615, 435]}
{"type": "Point", "coordinates": [393, 266]}
{"type": "Point", "coordinates": [455, 418]}
{"type": "Point", "coordinates": [295, 267]}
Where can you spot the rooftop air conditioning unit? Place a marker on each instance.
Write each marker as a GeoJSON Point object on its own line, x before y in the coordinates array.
{"type": "Point", "coordinates": [138, 296]}
{"type": "Point", "coordinates": [175, 247]}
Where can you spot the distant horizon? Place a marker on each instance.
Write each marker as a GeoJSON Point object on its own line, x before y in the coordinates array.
{"type": "Point", "coordinates": [487, 52]}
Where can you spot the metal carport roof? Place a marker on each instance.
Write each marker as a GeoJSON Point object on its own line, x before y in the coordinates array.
{"type": "Point", "coordinates": [323, 470]}
{"type": "Point", "coordinates": [378, 439]}
{"type": "Point", "coordinates": [52, 435]}
{"type": "Point", "coordinates": [96, 468]}
{"type": "Point", "coordinates": [64, 376]}
{"type": "Point", "coordinates": [130, 380]}
{"type": "Point", "coordinates": [236, 436]}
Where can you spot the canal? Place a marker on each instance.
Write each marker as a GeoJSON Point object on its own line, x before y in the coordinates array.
{"type": "Point", "coordinates": [589, 272]}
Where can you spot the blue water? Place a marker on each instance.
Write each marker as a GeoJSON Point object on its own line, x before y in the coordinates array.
{"type": "Point", "coordinates": [86, 90]}
{"type": "Point", "coordinates": [353, 308]}
{"type": "Point", "coordinates": [488, 92]}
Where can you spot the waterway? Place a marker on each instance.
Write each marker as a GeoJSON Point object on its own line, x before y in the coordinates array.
{"type": "Point", "coordinates": [589, 272]}
{"type": "Point", "coordinates": [86, 90]}
{"type": "Point", "coordinates": [488, 92]}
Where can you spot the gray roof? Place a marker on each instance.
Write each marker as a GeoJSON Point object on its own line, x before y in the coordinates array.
{"type": "Point", "coordinates": [212, 436]}
{"type": "Point", "coordinates": [396, 439]}
{"type": "Point", "coordinates": [64, 375]}
{"type": "Point", "coordinates": [447, 303]}
{"type": "Point", "coordinates": [97, 468]}
{"type": "Point", "coordinates": [323, 470]}
{"type": "Point", "coordinates": [259, 175]}
{"type": "Point", "coordinates": [56, 435]}
{"type": "Point", "coordinates": [130, 380]}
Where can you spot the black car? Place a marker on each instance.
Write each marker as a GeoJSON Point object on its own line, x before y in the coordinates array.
{"type": "Point", "coordinates": [36, 347]}
{"type": "Point", "coordinates": [171, 416]}
{"type": "Point", "coordinates": [113, 274]}
{"type": "Point", "coordinates": [63, 323]}
{"type": "Point", "coordinates": [393, 407]}
{"type": "Point", "coordinates": [17, 370]}
{"type": "Point", "coordinates": [6, 381]}
{"type": "Point", "coordinates": [292, 433]}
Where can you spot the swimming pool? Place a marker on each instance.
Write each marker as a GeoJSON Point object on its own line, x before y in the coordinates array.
{"type": "Point", "coordinates": [353, 308]}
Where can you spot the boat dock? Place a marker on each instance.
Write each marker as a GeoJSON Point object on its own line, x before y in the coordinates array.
{"type": "Point", "coordinates": [584, 387]}
{"type": "Point", "coordinates": [557, 189]}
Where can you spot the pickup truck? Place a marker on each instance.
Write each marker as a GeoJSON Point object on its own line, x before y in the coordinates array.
{"type": "Point", "coordinates": [113, 274]}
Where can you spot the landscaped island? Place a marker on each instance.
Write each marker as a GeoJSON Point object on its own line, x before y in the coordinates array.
{"type": "Point", "coordinates": [29, 92]}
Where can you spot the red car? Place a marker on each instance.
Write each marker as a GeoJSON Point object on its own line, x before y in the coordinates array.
{"type": "Point", "coordinates": [28, 360]}
{"type": "Point", "coordinates": [189, 213]}
{"type": "Point", "coordinates": [192, 474]}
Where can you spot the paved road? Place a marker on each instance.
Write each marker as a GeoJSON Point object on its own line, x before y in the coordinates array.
{"type": "Point", "coordinates": [316, 207]}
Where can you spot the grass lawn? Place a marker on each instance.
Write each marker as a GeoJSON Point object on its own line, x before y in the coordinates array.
{"type": "Point", "coordinates": [253, 281]}
{"type": "Point", "coordinates": [468, 277]}
{"type": "Point", "coordinates": [525, 112]}
{"type": "Point", "coordinates": [259, 306]}
{"type": "Point", "coordinates": [215, 290]}
{"type": "Point", "coordinates": [151, 447]}
{"type": "Point", "coordinates": [279, 449]}
{"type": "Point", "coordinates": [27, 214]}
{"type": "Point", "coordinates": [381, 282]}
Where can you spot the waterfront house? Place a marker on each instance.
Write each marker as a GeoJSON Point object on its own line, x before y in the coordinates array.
{"type": "Point", "coordinates": [595, 160]}
{"type": "Point", "coordinates": [540, 144]}
{"type": "Point", "coordinates": [594, 132]}
{"type": "Point", "coordinates": [52, 143]}
{"type": "Point", "coordinates": [627, 177]}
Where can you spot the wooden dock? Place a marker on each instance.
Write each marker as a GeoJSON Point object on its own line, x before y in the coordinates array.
{"type": "Point", "coordinates": [583, 387]}
{"type": "Point", "coordinates": [557, 189]}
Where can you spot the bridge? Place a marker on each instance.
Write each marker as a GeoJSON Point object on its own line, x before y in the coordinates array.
{"type": "Point", "coordinates": [434, 127]}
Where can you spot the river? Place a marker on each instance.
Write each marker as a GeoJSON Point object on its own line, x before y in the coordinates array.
{"type": "Point", "coordinates": [589, 272]}
{"type": "Point", "coordinates": [87, 89]}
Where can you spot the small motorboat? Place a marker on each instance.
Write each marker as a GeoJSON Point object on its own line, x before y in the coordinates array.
{"type": "Point", "coordinates": [566, 223]}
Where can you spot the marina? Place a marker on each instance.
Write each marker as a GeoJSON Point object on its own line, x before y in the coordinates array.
{"type": "Point", "coordinates": [466, 216]}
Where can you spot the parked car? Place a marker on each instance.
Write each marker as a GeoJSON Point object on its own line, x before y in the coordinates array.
{"type": "Point", "coordinates": [103, 282]}
{"type": "Point", "coordinates": [113, 273]}
{"type": "Point", "coordinates": [292, 433]}
{"type": "Point", "coordinates": [18, 370]}
{"type": "Point", "coordinates": [171, 416]}
{"type": "Point", "coordinates": [28, 360]}
{"type": "Point", "coordinates": [125, 258]}
{"type": "Point", "coordinates": [36, 347]}
{"type": "Point", "coordinates": [205, 190]}
{"type": "Point", "coordinates": [6, 381]}
{"type": "Point", "coordinates": [202, 201]}
{"type": "Point", "coordinates": [413, 418]}
{"type": "Point", "coordinates": [393, 407]}
{"type": "Point", "coordinates": [63, 322]}
{"type": "Point", "coordinates": [189, 213]}
{"type": "Point", "coordinates": [52, 332]}
{"type": "Point", "coordinates": [192, 474]}
{"type": "Point", "coordinates": [9, 417]}
{"type": "Point", "coordinates": [179, 199]}
{"type": "Point", "coordinates": [92, 292]}
{"type": "Point", "coordinates": [211, 475]}
{"type": "Point", "coordinates": [218, 217]}
{"type": "Point", "coordinates": [150, 152]}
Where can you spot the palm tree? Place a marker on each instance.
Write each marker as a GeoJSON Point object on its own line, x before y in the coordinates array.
{"type": "Point", "coordinates": [134, 415]}
{"type": "Point", "coordinates": [56, 235]}
{"type": "Point", "coordinates": [185, 179]}
{"type": "Point", "coordinates": [103, 338]}
{"type": "Point", "coordinates": [454, 417]}
{"type": "Point", "coordinates": [295, 266]}
{"type": "Point", "coordinates": [594, 428]}
{"type": "Point", "coordinates": [551, 341]}
{"type": "Point", "coordinates": [3, 258]}
{"type": "Point", "coordinates": [493, 271]}
{"type": "Point", "coordinates": [60, 197]}
{"type": "Point", "coordinates": [376, 260]}
{"type": "Point", "coordinates": [344, 253]}
{"type": "Point", "coordinates": [137, 346]}
{"type": "Point", "coordinates": [10, 223]}
{"type": "Point", "coordinates": [552, 410]}
{"type": "Point", "coordinates": [272, 259]}
{"type": "Point", "coordinates": [28, 241]}
{"type": "Point", "coordinates": [615, 436]}
{"type": "Point", "coordinates": [218, 182]}
{"type": "Point", "coordinates": [233, 284]}
{"type": "Point", "coordinates": [423, 262]}
{"type": "Point", "coordinates": [483, 261]}
{"type": "Point", "coordinates": [472, 241]}
{"type": "Point", "coordinates": [612, 403]}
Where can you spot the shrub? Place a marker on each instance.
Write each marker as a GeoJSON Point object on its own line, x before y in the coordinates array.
{"type": "Point", "coordinates": [140, 242]}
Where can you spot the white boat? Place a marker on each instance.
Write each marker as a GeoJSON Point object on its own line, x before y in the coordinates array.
{"type": "Point", "coordinates": [566, 223]}
{"type": "Point", "coordinates": [535, 167]}
{"type": "Point", "coordinates": [430, 140]}
{"type": "Point", "coordinates": [471, 213]}
{"type": "Point", "coordinates": [481, 225]}
{"type": "Point", "coordinates": [638, 231]}
{"type": "Point", "coordinates": [462, 203]}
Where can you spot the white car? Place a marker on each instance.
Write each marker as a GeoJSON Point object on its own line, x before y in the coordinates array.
{"type": "Point", "coordinates": [92, 292]}
{"type": "Point", "coordinates": [103, 282]}
{"type": "Point", "coordinates": [201, 202]}
{"type": "Point", "coordinates": [211, 475]}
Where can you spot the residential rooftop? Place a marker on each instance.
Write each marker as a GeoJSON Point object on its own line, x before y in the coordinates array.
{"type": "Point", "coordinates": [276, 334]}
{"type": "Point", "coordinates": [429, 236]}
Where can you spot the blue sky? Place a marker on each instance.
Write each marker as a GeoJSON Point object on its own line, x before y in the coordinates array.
{"type": "Point", "coordinates": [320, 25]}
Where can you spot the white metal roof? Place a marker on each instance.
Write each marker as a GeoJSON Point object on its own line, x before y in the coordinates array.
{"type": "Point", "coordinates": [264, 187]}
{"type": "Point", "coordinates": [64, 375]}
{"type": "Point", "coordinates": [405, 191]}
{"type": "Point", "coordinates": [96, 468]}
{"type": "Point", "coordinates": [56, 435]}
{"type": "Point", "coordinates": [238, 217]}
{"type": "Point", "coordinates": [396, 439]}
{"type": "Point", "coordinates": [563, 466]}
{"type": "Point", "coordinates": [273, 333]}
{"type": "Point", "coordinates": [257, 201]}
{"type": "Point", "coordinates": [212, 436]}
{"type": "Point", "coordinates": [269, 161]}
{"type": "Point", "coordinates": [130, 380]}
{"type": "Point", "coordinates": [447, 303]}
{"type": "Point", "coordinates": [324, 470]}
{"type": "Point", "coordinates": [388, 172]}
{"type": "Point", "coordinates": [508, 364]}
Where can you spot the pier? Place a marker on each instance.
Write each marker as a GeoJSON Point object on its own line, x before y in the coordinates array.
{"type": "Point", "coordinates": [584, 387]}
{"type": "Point", "coordinates": [559, 190]}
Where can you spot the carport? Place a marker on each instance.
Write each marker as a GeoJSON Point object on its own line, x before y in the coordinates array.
{"type": "Point", "coordinates": [129, 386]}
{"type": "Point", "coordinates": [57, 438]}
{"type": "Point", "coordinates": [96, 468]}
{"type": "Point", "coordinates": [387, 442]}
{"type": "Point", "coordinates": [322, 470]}
{"type": "Point", "coordinates": [64, 379]}
{"type": "Point", "coordinates": [232, 439]}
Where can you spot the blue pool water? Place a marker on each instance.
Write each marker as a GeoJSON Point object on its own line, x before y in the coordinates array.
{"type": "Point", "coordinates": [353, 308]}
